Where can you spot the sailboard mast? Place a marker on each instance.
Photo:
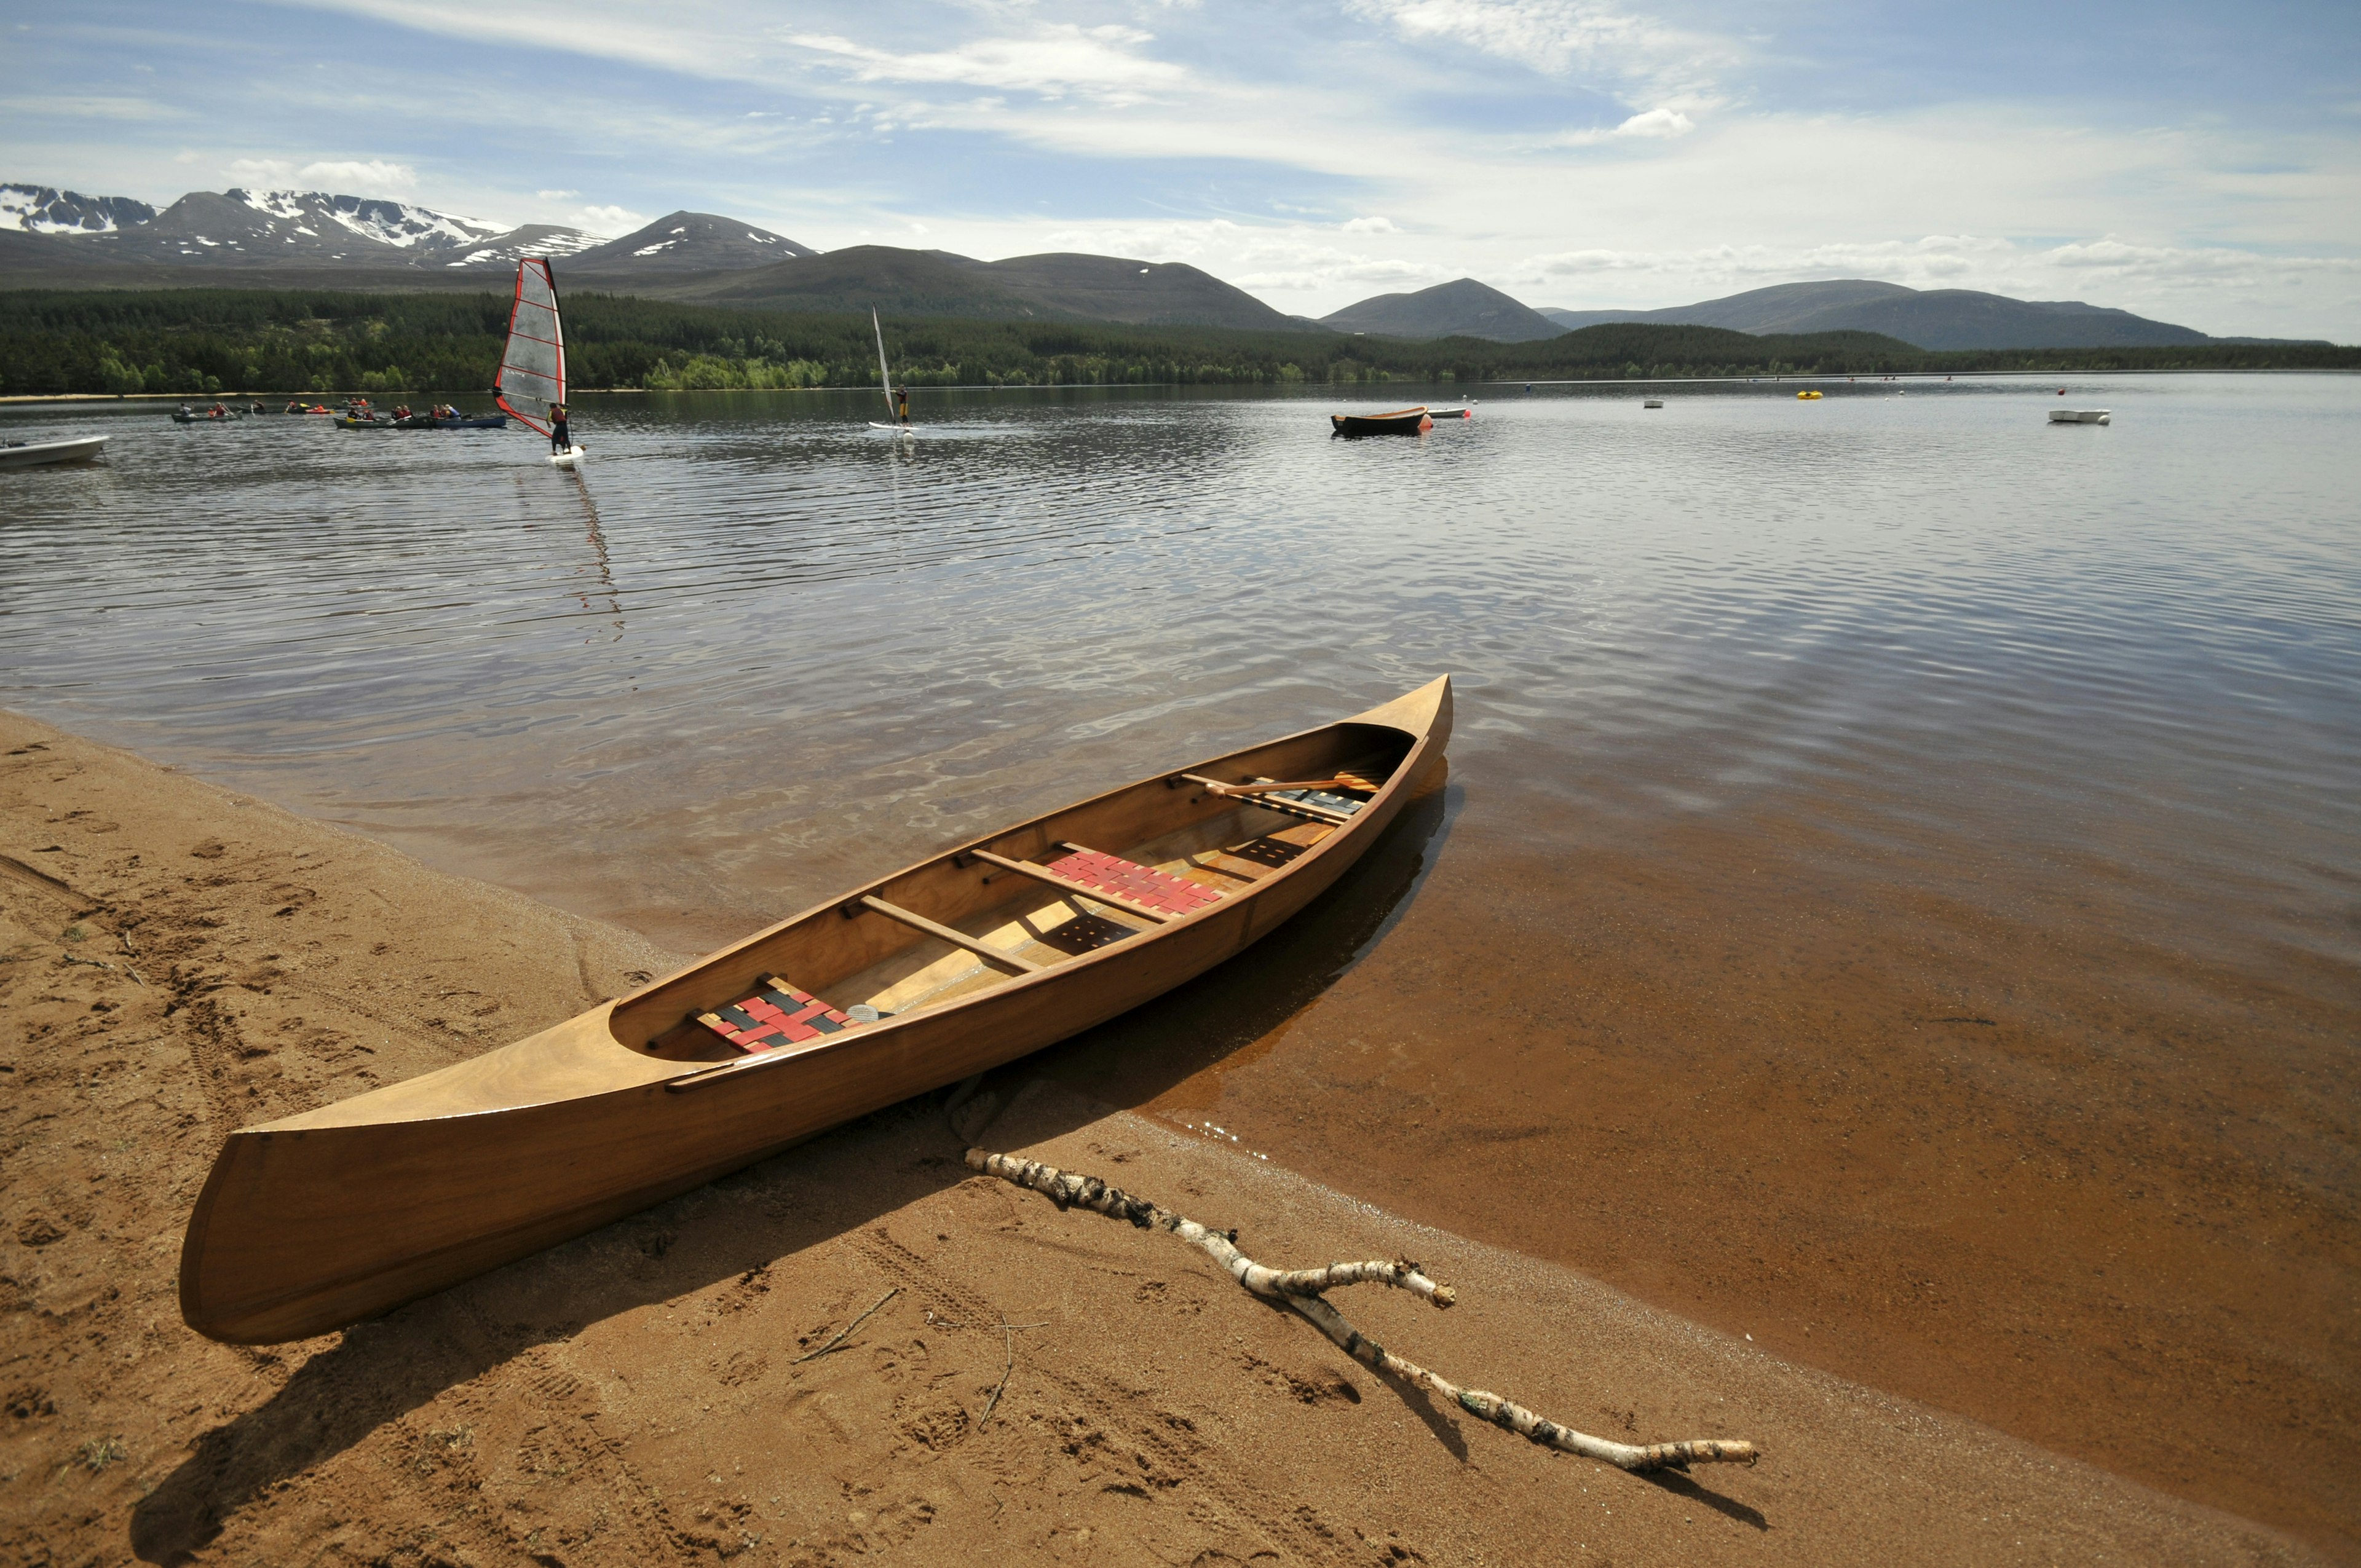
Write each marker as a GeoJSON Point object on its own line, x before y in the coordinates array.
{"type": "Point", "coordinates": [885, 377]}
{"type": "Point", "coordinates": [532, 365]}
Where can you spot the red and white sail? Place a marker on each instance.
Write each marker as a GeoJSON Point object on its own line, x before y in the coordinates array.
{"type": "Point", "coordinates": [533, 368]}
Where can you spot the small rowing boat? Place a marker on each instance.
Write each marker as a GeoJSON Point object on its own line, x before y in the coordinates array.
{"type": "Point", "coordinates": [950, 967]}
{"type": "Point", "coordinates": [2082, 416]}
{"type": "Point", "coordinates": [39, 453]}
{"type": "Point", "coordinates": [1400, 421]}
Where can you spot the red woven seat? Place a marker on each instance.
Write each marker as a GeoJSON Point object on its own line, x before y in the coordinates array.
{"type": "Point", "coordinates": [777, 1015]}
{"type": "Point", "coordinates": [1141, 885]}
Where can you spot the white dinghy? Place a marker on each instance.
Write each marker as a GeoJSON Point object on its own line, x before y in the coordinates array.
{"type": "Point", "coordinates": [885, 385]}
{"type": "Point", "coordinates": [2080, 416]}
{"type": "Point", "coordinates": [39, 454]}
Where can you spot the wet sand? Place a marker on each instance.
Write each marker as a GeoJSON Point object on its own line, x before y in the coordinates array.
{"type": "Point", "coordinates": [183, 960]}
{"type": "Point", "coordinates": [2022, 1163]}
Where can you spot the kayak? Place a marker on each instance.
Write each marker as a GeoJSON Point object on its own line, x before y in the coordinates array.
{"type": "Point", "coordinates": [963, 962]}
{"type": "Point", "coordinates": [180, 418]}
{"type": "Point", "coordinates": [36, 453]}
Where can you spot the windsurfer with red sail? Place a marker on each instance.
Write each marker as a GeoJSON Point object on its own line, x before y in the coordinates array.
{"type": "Point", "coordinates": [560, 443]}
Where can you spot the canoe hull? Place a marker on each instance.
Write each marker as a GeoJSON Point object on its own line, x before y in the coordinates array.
{"type": "Point", "coordinates": [304, 1229]}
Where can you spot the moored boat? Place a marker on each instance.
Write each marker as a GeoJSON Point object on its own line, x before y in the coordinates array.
{"type": "Point", "coordinates": [422, 421]}
{"type": "Point", "coordinates": [950, 967]}
{"type": "Point", "coordinates": [461, 422]}
{"type": "Point", "coordinates": [1400, 421]}
{"type": "Point", "coordinates": [39, 454]}
{"type": "Point", "coordinates": [2082, 416]}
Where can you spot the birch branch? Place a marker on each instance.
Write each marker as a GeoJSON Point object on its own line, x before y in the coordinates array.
{"type": "Point", "coordinates": [1301, 1288]}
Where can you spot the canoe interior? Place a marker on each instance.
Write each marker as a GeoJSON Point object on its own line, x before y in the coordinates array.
{"type": "Point", "coordinates": [867, 958]}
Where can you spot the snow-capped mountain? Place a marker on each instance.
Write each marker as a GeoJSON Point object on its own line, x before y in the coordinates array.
{"type": "Point", "coordinates": [397, 224]}
{"type": "Point", "coordinates": [264, 228]}
{"type": "Point", "coordinates": [692, 242]}
{"type": "Point", "coordinates": [45, 209]}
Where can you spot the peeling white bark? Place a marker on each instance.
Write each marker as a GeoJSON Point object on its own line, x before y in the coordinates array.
{"type": "Point", "coordinates": [1301, 1289]}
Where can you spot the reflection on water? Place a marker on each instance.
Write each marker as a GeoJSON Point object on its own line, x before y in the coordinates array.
{"type": "Point", "coordinates": [752, 651]}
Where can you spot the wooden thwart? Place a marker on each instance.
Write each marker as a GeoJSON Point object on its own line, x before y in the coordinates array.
{"type": "Point", "coordinates": [1011, 963]}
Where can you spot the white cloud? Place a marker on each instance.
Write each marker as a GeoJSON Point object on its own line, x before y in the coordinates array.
{"type": "Point", "coordinates": [608, 220]}
{"type": "Point", "coordinates": [260, 174]}
{"type": "Point", "coordinates": [1101, 63]}
{"type": "Point", "coordinates": [1370, 226]}
{"type": "Point", "coordinates": [1547, 35]}
{"type": "Point", "coordinates": [557, 195]}
{"type": "Point", "coordinates": [87, 106]}
{"type": "Point", "coordinates": [359, 177]}
{"type": "Point", "coordinates": [2174, 265]}
{"type": "Point", "coordinates": [1585, 39]}
{"type": "Point", "coordinates": [1657, 123]}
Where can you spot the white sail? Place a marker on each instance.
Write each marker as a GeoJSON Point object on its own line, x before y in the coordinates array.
{"type": "Point", "coordinates": [533, 368]}
{"type": "Point", "coordinates": [885, 377]}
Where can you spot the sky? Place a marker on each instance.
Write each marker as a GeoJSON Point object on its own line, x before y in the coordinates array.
{"type": "Point", "coordinates": [2196, 162]}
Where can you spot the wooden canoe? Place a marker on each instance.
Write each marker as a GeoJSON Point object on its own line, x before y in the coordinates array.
{"type": "Point", "coordinates": [1400, 421]}
{"type": "Point", "coordinates": [970, 959]}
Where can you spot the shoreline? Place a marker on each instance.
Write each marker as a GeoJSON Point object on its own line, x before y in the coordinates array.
{"type": "Point", "coordinates": [184, 959]}
{"type": "Point", "coordinates": [1338, 388]}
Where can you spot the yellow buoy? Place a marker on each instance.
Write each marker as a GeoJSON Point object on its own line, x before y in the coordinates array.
{"type": "Point", "coordinates": [1806, 396]}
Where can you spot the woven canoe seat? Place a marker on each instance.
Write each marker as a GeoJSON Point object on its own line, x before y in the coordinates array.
{"type": "Point", "coordinates": [1141, 884]}
{"type": "Point", "coordinates": [777, 1015]}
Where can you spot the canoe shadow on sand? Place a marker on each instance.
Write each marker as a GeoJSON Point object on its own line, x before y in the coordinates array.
{"type": "Point", "coordinates": [836, 1184]}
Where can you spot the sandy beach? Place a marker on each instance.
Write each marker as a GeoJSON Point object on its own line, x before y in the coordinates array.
{"type": "Point", "coordinates": [182, 961]}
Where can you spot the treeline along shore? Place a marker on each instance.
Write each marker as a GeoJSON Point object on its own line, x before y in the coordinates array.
{"type": "Point", "coordinates": [197, 342]}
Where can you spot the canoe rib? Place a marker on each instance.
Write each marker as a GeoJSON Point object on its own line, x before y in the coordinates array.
{"type": "Point", "coordinates": [319, 1220]}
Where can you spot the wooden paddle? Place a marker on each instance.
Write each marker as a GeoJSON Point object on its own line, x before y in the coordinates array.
{"type": "Point", "coordinates": [1342, 780]}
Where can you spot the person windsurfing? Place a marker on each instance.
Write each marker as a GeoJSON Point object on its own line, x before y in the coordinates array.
{"type": "Point", "coordinates": [560, 442]}
{"type": "Point", "coordinates": [902, 405]}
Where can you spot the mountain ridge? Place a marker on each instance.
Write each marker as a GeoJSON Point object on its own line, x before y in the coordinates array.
{"type": "Point", "coordinates": [1938, 318]}
{"type": "Point", "coordinates": [55, 237]}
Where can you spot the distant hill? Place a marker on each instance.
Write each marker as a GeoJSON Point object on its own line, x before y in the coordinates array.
{"type": "Point", "coordinates": [1142, 293]}
{"type": "Point", "coordinates": [862, 277]}
{"type": "Point", "coordinates": [1461, 309]}
{"type": "Point", "coordinates": [1057, 287]}
{"type": "Point", "coordinates": [687, 242]}
{"type": "Point", "coordinates": [1931, 318]}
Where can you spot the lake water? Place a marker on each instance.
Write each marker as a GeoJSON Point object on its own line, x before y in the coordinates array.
{"type": "Point", "coordinates": [1898, 892]}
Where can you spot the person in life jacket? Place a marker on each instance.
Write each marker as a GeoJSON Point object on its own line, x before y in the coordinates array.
{"type": "Point", "coordinates": [559, 438]}
{"type": "Point", "coordinates": [901, 404]}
